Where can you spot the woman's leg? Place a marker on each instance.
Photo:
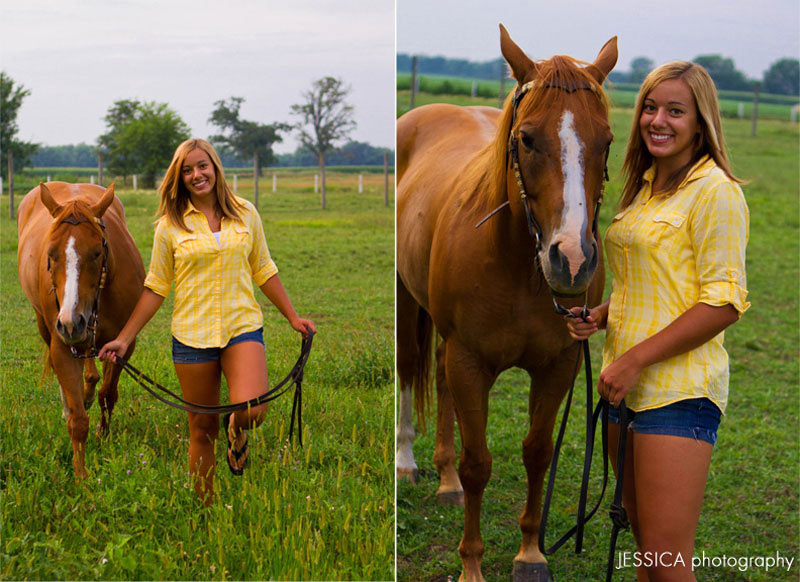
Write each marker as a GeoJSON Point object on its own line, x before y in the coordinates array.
{"type": "Point", "coordinates": [200, 383]}
{"type": "Point", "coordinates": [245, 367]}
{"type": "Point", "coordinates": [670, 480]}
{"type": "Point", "coordinates": [628, 486]}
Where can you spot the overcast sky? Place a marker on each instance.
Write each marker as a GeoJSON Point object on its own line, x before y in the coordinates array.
{"type": "Point", "coordinates": [753, 33]}
{"type": "Point", "coordinates": [77, 57]}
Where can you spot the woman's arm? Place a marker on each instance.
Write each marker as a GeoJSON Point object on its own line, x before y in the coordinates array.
{"type": "Point", "coordinates": [274, 291]}
{"type": "Point", "coordinates": [693, 328]}
{"type": "Point", "coordinates": [147, 306]}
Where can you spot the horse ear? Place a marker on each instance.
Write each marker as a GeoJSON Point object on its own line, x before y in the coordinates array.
{"type": "Point", "coordinates": [49, 202]}
{"type": "Point", "coordinates": [99, 208]}
{"type": "Point", "coordinates": [522, 67]}
{"type": "Point", "coordinates": [605, 61]}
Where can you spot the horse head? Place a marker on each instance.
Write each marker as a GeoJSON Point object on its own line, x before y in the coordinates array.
{"type": "Point", "coordinates": [558, 142]}
{"type": "Point", "coordinates": [77, 255]}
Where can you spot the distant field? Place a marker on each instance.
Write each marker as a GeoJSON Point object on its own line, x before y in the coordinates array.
{"type": "Point", "coordinates": [622, 95]}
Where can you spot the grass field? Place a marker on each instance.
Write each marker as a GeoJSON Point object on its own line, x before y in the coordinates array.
{"type": "Point", "coordinates": [751, 503]}
{"type": "Point", "coordinates": [322, 512]}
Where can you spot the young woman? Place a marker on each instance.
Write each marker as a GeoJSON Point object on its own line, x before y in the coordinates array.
{"type": "Point", "coordinates": [211, 244]}
{"type": "Point", "coordinates": [676, 250]}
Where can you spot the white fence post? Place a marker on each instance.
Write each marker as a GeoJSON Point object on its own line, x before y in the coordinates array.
{"type": "Point", "coordinates": [49, 179]}
{"type": "Point", "coordinates": [274, 182]}
{"type": "Point", "coordinates": [236, 182]}
{"type": "Point", "coordinates": [361, 183]}
{"type": "Point", "coordinates": [741, 110]}
{"type": "Point", "coordinates": [135, 182]}
{"type": "Point", "coordinates": [92, 179]}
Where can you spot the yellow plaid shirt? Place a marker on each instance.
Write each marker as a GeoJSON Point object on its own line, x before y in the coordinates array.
{"type": "Point", "coordinates": [667, 253]}
{"type": "Point", "coordinates": [214, 298]}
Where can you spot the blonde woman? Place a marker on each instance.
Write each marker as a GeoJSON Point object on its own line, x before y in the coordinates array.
{"type": "Point", "coordinates": [676, 250]}
{"type": "Point", "coordinates": [211, 245]}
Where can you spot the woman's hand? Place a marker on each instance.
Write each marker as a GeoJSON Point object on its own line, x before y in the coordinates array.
{"type": "Point", "coordinates": [581, 329]}
{"type": "Point", "coordinates": [304, 326]}
{"type": "Point", "coordinates": [112, 349]}
{"type": "Point", "coordinates": [619, 378]}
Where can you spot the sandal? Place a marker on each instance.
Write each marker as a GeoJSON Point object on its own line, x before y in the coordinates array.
{"type": "Point", "coordinates": [236, 454]}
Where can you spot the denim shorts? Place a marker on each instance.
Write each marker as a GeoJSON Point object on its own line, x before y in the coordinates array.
{"type": "Point", "coordinates": [696, 418]}
{"type": "Point", "coordinates": [183, 354]}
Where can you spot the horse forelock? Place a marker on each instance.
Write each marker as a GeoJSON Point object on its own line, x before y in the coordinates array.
{"type": "Point", "coordinates": [78, 209]}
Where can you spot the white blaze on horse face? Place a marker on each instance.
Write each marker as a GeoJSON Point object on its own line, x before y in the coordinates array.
{"type": "Point", "coordinates": [70, 301]}
{"type": "Point", "coordinates": [573, 216]}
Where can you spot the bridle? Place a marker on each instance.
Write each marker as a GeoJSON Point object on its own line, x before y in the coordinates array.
{"type": "Point", "coordinates": [92, 323]}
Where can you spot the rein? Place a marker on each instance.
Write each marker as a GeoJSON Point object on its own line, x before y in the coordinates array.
{"type": "Point", "coordinates": [593, 414]}
{"type": "Point", "coordinates": [295, 377]}
{"type": "Point", "coordinates": [92, 323]}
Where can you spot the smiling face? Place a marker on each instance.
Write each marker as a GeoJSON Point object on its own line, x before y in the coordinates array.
{"type": "Point", "coordinates": [198, 174]}
{"type": "Point", "coordinates": [669, 123]}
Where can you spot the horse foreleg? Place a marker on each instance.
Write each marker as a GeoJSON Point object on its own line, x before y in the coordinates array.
{"type": "Point", "coordinates": [450, 491]}
{"type": "Point", "coordinates": [90, 378]}
{"type": "Point", "coordinates": [469, 385]}
{"type": "Point", "coordinates": [68, 371]}
{"type": "Point", "coordinates": [530, 565]}
{"type": "Point", "coordinates": [405, 463]}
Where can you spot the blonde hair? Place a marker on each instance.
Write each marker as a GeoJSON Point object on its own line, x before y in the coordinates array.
{"type": "Point", "coordinates": [709, 142]}
{"type": "Point", "coordinates": [174, 195]}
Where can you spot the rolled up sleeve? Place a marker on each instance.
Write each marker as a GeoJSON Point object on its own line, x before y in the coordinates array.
{"type": "Point", "coordinates": [161, 271]}
{"type": "Point", "coordinates": [720, 229]}
{"type": "Point", "coordinates": [261, 263]}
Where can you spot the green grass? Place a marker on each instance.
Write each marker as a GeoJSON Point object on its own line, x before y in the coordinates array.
{"type": "Point", "coordinates": [322, 512]}
{"type": "Point", "coordinates": [751, 501]}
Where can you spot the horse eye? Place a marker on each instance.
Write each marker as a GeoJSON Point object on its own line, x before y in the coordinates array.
{"type": "Point", "coordinates": [527, 140]}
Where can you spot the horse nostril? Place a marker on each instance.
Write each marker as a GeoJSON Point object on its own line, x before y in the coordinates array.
{"type": "Point", "coordinates": [80, 324]}
{"type": "Point", "coordinates": [557, 259]}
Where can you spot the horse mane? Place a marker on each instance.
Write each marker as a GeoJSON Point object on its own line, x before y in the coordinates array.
{"type": "Point", "coordinates": [77, 208]}
{"type": "Point", "coordinates": [488, 170]}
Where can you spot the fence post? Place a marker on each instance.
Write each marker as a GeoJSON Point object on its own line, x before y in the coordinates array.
{"type": "Point", "coordinates": [316, 183]}
{"type": "Point", "coordinates": [386, 178]}
{"type": "Point", "coordinates": [413, 81]}
{"type": "Point", "coordinates": [274, 182]}
{"type": "Point", "coordinates": [100, 167]}
{"type": "Point", "coordinates": [91, 179]}
{"type": "Point", "coordinates": [11, 184]}
{"type": "Point", "coordinates": [741, 110]}
{"type": "Point", "coordinates": [236, 183]}
{"type": "Point", "coordinates": [361, 183]}
{"type": "Point", "coordinates": [756, 89]}
{"type": "Point", "coordinates": [135, 182]}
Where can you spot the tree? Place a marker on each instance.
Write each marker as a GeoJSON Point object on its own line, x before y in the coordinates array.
{"type": "Point", "coordinates": [325, 118]}
{"type": "Point", "coordinates": [640, 67]}
{"type": "Point", "coordinates": [245, 138]}
{"type": "Point", "coordinates": [724, 73]}
{"type": "Point", "coordinates": [783, 77]}
{"type": "Point", "coordinates": [11, 98]}
{"type": "Point", "coordinates": [141, 138]}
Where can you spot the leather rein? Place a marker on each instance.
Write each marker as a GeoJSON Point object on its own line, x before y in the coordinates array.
{"type": "Point", "coordinates": [593, 414]}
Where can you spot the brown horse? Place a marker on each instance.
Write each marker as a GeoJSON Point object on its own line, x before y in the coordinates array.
{"type": "Point", "coordinates": [487, 290]}
{"type": "Point", "coordinates": [77, 260]}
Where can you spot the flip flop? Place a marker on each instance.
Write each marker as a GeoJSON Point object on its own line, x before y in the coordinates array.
{"type": "Point", "coordinates": [226, 421]}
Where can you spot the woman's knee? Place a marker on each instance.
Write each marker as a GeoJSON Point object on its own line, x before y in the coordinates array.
{"type": "Point", "coordinates": [203, 426]}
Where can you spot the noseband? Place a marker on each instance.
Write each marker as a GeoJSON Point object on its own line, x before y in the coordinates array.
{"type": "Point", "coordinates": [92, 323]}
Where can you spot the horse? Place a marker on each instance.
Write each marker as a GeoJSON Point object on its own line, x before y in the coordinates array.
{"type": "Point", "coordinates": [82, 272]}
{"type": "Point", "coordinates": [496, 220]}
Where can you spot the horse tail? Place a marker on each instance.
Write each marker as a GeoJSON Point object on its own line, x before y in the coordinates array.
{"type": "Point", "coordinates": [421, 380]}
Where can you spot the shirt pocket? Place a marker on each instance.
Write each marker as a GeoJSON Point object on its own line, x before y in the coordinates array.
{"type": "Point", "coordinates": [240, 241]}
{"type": "Point", "coordinates": [664, 231]}
{"type": "Point", "coordinates": [185, 246]}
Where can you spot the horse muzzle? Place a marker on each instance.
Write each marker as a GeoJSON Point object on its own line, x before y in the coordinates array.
{"type": "Point", "coordinates": [567, 268]}
{"type": "Point", "coordinates": [72, 330]}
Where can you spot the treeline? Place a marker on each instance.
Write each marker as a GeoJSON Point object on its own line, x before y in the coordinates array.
{"type": "Point", "coordinates": [782, 77]}
{"type": "Point", "coordinates": [351, 154]}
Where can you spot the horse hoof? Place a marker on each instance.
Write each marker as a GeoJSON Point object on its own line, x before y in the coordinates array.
{"type": "Point", "coordinates": [450, 498]}
{"type": "Point", "coordinates": [410, 474]}
{"type": "Point", "coordinates": [531, 572]}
